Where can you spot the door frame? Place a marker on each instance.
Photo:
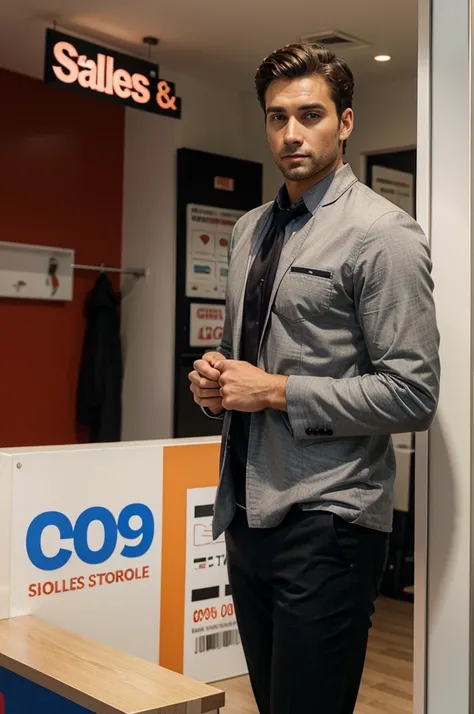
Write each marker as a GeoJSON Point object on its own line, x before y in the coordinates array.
{"type": "Point", "coordinates": [423, 212]}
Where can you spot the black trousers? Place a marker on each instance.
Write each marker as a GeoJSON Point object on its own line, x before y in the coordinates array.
{"type": "Point", "coordinates": [304, 596]}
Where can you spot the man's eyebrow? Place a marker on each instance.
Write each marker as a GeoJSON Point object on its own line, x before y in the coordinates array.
{"type": "Point", "coordinates": [314, 105]}
{"type": "Point", "coordinates": [275, 110]}
{"type": "Point", "coordinates": [303, 107]}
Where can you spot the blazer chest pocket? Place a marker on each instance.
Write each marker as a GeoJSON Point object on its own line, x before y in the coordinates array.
{"type": "Point", "coordinates": [304, 293]}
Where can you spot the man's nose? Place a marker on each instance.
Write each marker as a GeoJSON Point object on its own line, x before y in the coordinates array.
{"type": "Point", "coordinates": [293, 132]}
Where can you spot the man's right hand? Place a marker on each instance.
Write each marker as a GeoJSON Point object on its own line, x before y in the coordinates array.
{"type": "Point", "coordinates": [205, 382]}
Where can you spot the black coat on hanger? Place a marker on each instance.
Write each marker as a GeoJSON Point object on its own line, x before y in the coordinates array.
{"type": "Point", "coordinates": [99, 392]}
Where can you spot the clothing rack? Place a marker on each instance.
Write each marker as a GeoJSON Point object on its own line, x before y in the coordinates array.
{"type": "Point", "coordinates": [136, 272]}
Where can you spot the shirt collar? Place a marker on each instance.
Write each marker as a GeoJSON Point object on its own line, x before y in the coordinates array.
{"type": "Point", "coordinates": [314, 196]}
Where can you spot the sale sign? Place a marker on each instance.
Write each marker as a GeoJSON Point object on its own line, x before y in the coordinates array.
{"type": "Point", "coordinates": [87, 543]}
{"type": "Point", "coordinates": [206, 325]}
{"type": "Point", "coordinates": [212, 649]}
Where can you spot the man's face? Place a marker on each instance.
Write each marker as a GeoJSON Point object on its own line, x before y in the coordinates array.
{"type": "Point", "coordinates": [303, 129]}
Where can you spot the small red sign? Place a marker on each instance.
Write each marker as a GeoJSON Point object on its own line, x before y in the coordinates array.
{"type": "Point", "coordinates": [222, 183]}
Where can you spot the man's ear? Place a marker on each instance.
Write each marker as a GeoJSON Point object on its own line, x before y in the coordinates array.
{"type": "Point", "coordinates": [346, 125]}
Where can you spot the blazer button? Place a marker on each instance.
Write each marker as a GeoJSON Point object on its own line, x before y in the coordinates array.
{"type": "Point", "coordinates": [309, 431]}
{"type": "Point", "coordinates": [329, 432]}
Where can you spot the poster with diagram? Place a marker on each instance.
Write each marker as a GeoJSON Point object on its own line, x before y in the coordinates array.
{"type": "Point", "coordinates": [208, 231]}
{"type": "Point", "coordinates": [212, 649]}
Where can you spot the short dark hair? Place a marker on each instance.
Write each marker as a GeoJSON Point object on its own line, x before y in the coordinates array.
{"type": "Point", "coordinates": [304, 60]}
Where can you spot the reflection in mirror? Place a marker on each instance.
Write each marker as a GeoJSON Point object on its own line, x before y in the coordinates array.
{"type": "Point", "coordinates": [170, 200]}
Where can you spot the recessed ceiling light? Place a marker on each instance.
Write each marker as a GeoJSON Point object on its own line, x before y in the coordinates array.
{"type": "Point", "coordinates": [382, 58]}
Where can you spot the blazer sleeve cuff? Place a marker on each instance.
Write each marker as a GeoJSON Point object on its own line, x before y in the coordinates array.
{"type": "Point", "coordinates": [306, 414]}
{"type": "Point", "coordinates": [210, 415]}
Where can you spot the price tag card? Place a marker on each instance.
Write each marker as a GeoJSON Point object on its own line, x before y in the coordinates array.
{"type": "Point", "coordinates": [212, 649]}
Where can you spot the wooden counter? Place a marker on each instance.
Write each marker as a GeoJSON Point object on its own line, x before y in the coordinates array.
{"type": "Point", "coordinates": [96, 677]}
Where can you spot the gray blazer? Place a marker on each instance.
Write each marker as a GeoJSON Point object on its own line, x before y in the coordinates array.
{"type": "Point", "coordinates": [352, 322]}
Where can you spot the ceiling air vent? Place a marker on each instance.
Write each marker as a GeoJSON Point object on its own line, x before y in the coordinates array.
{"type": "Point", "coordinates": [335, 40]}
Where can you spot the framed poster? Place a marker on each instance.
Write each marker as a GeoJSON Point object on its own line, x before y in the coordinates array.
{"type": "Point", "coordinates": [208, 235]}
{"type": "Point", "coordinates": [395, 186]}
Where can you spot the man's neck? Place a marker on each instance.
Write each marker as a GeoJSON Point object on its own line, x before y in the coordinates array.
{"type": "Point", "coordinates": [296, 189]}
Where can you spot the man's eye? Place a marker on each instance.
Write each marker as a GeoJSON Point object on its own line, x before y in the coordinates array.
{"type": "Point", "coordinates": [312, 116]}
{"type": "Point", "coordinates": [277, 117]}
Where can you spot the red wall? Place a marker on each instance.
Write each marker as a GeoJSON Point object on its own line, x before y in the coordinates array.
{"type": "Point", "coordinates": [61, 176]}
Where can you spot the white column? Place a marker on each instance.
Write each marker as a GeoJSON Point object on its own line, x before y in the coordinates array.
{"type": "Point", "coordinates": [444, 501]}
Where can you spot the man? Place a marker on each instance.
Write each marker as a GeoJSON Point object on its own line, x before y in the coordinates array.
{"type": "Point", "coordinates": [330, 346]}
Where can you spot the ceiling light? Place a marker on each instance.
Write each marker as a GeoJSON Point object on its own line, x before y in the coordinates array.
{"type": "Point", "coordinates": [382, 58]}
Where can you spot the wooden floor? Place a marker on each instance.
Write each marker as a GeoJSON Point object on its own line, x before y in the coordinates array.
{"type": "Point", "coordinates": [387, 686]}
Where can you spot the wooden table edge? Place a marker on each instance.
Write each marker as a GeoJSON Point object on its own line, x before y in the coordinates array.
{"type": "Point", "coordinates": [209, 702]}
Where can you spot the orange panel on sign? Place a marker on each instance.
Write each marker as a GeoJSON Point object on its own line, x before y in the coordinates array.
{"type": "Point", "coordinates": [184, 467]}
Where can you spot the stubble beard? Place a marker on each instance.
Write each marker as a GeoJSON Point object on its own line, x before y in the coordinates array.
{"type": "Point", "coordinates": [317, 166]}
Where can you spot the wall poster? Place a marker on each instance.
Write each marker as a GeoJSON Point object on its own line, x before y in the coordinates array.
{"type": "Point", "coordinates": [395, 186]}
{"type": "Point", "coordinates": [206, 324]}
{"type": "Point", "coordinates": [209, 231]}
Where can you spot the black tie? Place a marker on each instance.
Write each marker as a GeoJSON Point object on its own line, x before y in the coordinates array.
{"type": "Point", "coordinates": [261, 278]}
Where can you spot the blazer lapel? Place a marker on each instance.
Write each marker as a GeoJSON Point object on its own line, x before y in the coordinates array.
{"type": "Point", "coordinates": [249, 250]}
{"type": "Point", "coordinates": [289, 254]}
{"type": "Point", "coordinates": [332, 189]}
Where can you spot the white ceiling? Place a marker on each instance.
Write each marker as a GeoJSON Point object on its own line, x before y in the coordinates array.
{"type": "Point", "coordinates": [221, 40]}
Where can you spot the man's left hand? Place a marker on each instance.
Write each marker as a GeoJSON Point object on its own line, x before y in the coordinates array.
{"type": "Point", "coordinates": [245, 388]}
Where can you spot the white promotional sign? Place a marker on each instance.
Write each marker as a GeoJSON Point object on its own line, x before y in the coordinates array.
{"type": "Point", "coordinates": [206, 325]}
{"type": "Point", "coordinates": [87, 543]}
{"type": "Point", "coordinates": [209, 231]}
{"type": "Point", "coordinates": [212, 649]}
{"type": "Point", "coordinates": [395, 186]}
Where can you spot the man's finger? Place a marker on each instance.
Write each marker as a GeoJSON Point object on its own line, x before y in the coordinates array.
{"type": "Point", "coordinates": [223, 365]}
{"type": "Point", "coordinates": [207, 383]}
{"type": "Point", "coordinates": [209, 403]}
{"type": "Point", "coordinates": [194, 377]}
{"type": "Point", "coordinates": [205, 393]}
{"type": "Point", "coordinates": [202, 382]}
{"type": "Point", "coordinates": [213, 357]}
{"type": "Point", "coordinates": [205, 370]}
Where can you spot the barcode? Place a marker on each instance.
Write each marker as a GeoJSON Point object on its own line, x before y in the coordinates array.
{"type": "Point", "coordinates": [217, 641]}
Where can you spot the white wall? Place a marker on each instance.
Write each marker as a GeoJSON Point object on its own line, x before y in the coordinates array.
{"type": "Point", "coordinates": [448, 178]}
{"type": "Point", "coordinates": [214, 119]}
{"type": "Point", "coordinates": [385, 119]}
